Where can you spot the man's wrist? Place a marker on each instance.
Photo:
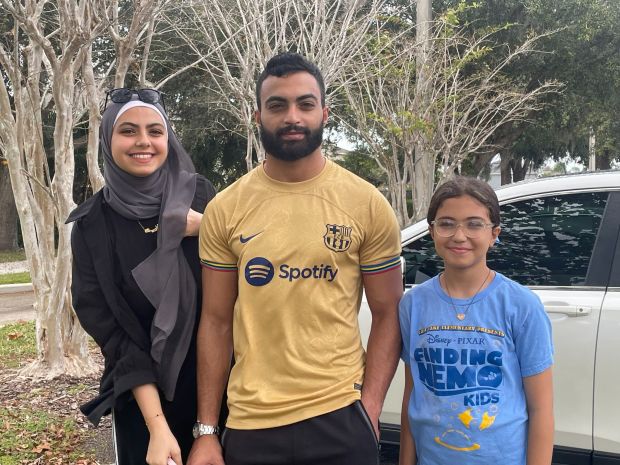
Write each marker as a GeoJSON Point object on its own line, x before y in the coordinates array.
{"type": "Point", "coordinates": [373, 408]}
{"type": "Point", "coordinates": [202, 429]}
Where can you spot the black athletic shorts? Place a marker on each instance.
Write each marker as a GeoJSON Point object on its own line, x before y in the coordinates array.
{"type": "Point", "coordinates": [342, 437]}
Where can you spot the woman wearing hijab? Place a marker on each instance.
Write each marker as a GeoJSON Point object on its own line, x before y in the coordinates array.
{"type": "Point", "coordinates": [136, 279]}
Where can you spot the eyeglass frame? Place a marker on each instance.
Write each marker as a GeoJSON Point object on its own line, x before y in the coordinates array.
{"type": "Point", "coordinates": [460, 224]}
{"type": "Point", "coordinates": [160, 96]}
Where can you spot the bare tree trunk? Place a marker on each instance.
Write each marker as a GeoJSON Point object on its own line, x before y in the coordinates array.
{"type": "Point", "coordinates": [423, 180]}
{"type": "Point", "coordinates": [92, 95]}
{"type": "Point", "coordinates": [506, 167]}
{"type": "Point", "coordinates": [8, 224]}
{"type": "Point", "coordinates": [603, 161]}
{"type": "Point", "coordinates": [520, 168]}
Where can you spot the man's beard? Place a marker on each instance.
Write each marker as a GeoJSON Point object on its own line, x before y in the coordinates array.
{"type": "Point", "coordinates": [291, 150]}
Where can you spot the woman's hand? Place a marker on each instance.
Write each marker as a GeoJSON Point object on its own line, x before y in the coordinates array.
{"type": "Point", "coordinates": [162, 444]}
{"type": "Point", "coordinates": [193, 223]}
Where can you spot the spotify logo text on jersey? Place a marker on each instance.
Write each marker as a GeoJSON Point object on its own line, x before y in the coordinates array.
{"type": "Point", "coordinates": [260, 271]}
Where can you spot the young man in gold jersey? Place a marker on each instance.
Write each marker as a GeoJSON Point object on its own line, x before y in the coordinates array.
{"type": "Point", "coordinates": [286, 251]}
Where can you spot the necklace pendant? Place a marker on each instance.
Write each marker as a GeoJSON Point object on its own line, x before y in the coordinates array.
{"type": "Point", "coordinates": [460, 316]}
{"type": "Point", "coordinates": [152, 230]}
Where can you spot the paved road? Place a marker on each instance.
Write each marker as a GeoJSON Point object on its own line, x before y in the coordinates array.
{"type": "Point", "coordinates": [16, 306]}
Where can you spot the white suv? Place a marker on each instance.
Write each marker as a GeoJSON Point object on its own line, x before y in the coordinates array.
{"type": "Point", "coordinates": [561, 238]}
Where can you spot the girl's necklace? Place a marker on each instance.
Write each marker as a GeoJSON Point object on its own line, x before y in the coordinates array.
{"type": "Point", "coordinates": [461, 315]}
{"type": "Point", "coordinates": [152, 230]}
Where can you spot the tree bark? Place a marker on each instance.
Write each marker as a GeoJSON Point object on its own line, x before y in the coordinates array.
{"type": "Point", "coordinates": [424, 165]}
{"type": "Point", "coordinates": [520, 168]}
{"type": "Point", "coordinates": [603, 161]}
{"type": "Point", "coordinates": [8, 224]}
{"type": "Point", "coordinates": [506, 167]}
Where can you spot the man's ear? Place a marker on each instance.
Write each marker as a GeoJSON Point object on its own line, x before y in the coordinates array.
{"type": "Point", "coordinates": [325, 114]}
{"type": "Point", "coordinates": [257, 116]}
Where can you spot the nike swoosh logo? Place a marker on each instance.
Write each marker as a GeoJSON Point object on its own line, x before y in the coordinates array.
{"type": "Point", "coordinates": [243, 240]}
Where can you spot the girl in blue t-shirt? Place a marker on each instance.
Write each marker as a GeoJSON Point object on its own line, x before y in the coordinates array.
{"type": "Point", "coordinates": [477, 348]}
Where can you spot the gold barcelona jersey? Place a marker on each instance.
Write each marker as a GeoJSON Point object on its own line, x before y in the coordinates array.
{"type": "Point", "coordinates": [299, 250]}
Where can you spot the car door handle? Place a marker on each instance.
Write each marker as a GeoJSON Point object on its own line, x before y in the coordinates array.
{"type": "Point", "coordinates": [570, 310]}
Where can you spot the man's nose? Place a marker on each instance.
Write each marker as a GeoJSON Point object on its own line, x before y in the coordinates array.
{"type": "Point", "coordinates": [292, 115]}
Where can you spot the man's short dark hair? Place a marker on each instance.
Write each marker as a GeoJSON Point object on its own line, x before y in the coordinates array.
{"type": "Point", "coordinates": [287, 63]}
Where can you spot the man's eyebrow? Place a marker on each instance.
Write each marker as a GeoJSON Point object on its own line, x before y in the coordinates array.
{"type": "Point", "coordinates": [307, 96]}
{"type": "Point", "coordinates": [277, 98]}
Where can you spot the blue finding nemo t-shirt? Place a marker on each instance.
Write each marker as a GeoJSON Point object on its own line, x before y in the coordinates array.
{"type": "Point", "coordinates": [468, 405]}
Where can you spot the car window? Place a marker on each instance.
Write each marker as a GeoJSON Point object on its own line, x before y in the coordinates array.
{"type": "Point", "coordinates": [546, 241]}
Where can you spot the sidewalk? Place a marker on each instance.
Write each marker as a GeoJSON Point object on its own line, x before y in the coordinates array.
{"type": "Point", "coordinates": [13, 267]}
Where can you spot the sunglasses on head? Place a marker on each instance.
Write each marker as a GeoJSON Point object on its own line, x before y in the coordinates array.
{"type": "Point", "coordinates": [124, 95]}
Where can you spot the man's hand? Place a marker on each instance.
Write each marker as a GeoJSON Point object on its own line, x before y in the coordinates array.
{"type": "Point", "coordinates": [373, 412]}
{"type": "Point", "coordinates": [206, 450]}
{"type": "Point", "coordinates": [193, 223]}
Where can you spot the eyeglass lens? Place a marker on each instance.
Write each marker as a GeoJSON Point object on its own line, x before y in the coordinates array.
{"type": "Point", "coordinates": [447, 228]}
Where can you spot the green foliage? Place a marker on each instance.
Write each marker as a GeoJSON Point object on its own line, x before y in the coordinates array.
{"type": "Point", "coordinates": [453, 16]}
{"type": "Point", "coordinates": [17, 344]}
{"type": "Point", "coordinates": [15, 278]}
{"type": "Point", "coordinates": [198, 118]}
{"type": "Point", "coordinates": [364, 166]}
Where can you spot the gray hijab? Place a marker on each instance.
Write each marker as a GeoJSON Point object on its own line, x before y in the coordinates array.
{"type": "Point", "coordinates": [164, 277]}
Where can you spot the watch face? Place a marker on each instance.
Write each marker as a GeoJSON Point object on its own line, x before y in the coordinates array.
{"type": "Point", "coordinates": [196, 430]}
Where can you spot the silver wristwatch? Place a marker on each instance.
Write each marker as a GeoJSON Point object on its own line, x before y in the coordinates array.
{"type": "Point", "coordinates": [200, 429]}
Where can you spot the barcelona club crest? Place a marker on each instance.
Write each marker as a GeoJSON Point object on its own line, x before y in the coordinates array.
{"type": "Point", "coordinates": [337, 237]}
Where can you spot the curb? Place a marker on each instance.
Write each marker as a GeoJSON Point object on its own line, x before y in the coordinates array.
{"type": "Point", "coordinates": [15, 288]}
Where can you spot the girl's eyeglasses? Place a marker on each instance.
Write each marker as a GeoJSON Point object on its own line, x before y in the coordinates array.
{"type": "Point", "coordinates": [471, 228]}
{"type": "Point", "coordinates": [124, 95]}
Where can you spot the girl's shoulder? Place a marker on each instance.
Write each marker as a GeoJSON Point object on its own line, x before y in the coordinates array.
{"type": "Point", "coordinates": [514, 290]}
{"type": "Point", "coordinates": [423, 290]}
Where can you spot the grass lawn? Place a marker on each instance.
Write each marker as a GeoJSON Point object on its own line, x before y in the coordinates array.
{"type": "Point", "coordinates": [15, 278]}
{"type": "Point", "coordinates": [39, 420]}
{"type": "Point", "coordinates": [7, 256]}
{"type": "Point", "coordinates": [17, 344]}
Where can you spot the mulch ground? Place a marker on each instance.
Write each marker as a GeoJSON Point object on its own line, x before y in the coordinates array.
{"type": "Point", "coordinates": [41, 422]}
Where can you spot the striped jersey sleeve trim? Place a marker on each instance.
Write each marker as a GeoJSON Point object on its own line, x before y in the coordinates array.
{"type": "Point", "coordinates": [381, 267]}
{"type": "Point", "coordinates": [218, 266]}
